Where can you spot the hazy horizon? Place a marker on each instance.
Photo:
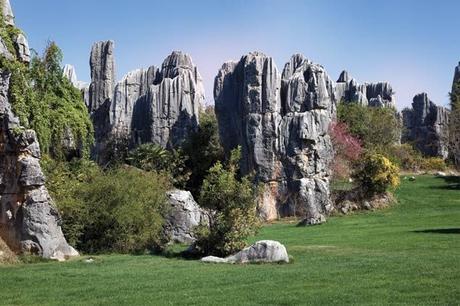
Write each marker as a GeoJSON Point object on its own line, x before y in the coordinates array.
{"type": "Point", "coordinates": [410, 44]}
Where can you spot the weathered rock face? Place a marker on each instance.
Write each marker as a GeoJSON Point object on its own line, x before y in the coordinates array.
{"type": "Point", "coordinates": [183, 216]}
{"type": "Point", "coordinates": [369, 94]}
{"type": "Point", "coordinates": [152, 105]}
{"type": "Point", "coordinates": [267, 251]}
{"type": "Point", "coordinates": [22, 48]}
{"type": "Point", "coordinates": [426, 126]}
{"type": "Point", "coordinates": [281, 124]}
{"type": "Point", "coordinates": [29, 222]}
{"type": "Point", "coordinates": [8, 15]}
{"type": "Point", "coordinates": [4, 51]}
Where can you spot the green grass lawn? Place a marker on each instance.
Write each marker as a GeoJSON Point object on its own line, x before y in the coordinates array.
{"type": "Point", "coordinates": [407, 254]}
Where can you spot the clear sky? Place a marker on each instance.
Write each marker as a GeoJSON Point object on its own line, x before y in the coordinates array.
{"type": "Point", "coordinates": [414, 44]}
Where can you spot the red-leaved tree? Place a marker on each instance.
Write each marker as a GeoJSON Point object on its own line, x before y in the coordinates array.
{"type": "Point", "coordinates": [347, 149]}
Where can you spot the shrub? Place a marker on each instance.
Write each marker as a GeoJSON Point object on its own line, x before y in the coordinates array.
{"type": "Point", "coordinates": [118, 210]}
{"type": "Point", "coordinates": [405, 157]}
{"type": "Point", "coordinates": [434, 163]}
{"type": "Point", "coordinates": [233, 205]}
{"type": "Point", "coordinates": [376, 174]}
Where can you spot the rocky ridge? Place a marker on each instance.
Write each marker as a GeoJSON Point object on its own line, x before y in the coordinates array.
{"type": "Point", "coordinates": [380, 94]}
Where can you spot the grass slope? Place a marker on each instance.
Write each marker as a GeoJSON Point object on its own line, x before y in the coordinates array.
{"type": "Point", "coordinates": [407, 254]}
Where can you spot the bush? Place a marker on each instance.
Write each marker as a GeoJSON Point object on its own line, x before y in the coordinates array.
{"type": "Point", "coordinates": [434, 164]}
{"type": "Point", "coordinates": [232, 202]}
{"type": "Point", "coordinates": [375, 174]}
{"type": "Point", "coordinates": [119, 210]}
{"type": "Point", "coordinates": [405, 157]}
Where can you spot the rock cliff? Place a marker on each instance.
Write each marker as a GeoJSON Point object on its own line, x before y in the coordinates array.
{"type": "Point", "coordinates": [426, 126]}
{"type": "Point", "coordinates": [281, 124]}
{"type": "Point", "coordinates": [29, 221]}
{"type": "Point", "coordinates": [370, 94]}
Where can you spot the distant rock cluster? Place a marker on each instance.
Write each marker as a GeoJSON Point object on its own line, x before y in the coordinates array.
{"type": "Point", "coordinates": [426, 126]}
{"type": "Point", "coordinates": [347, 90]}
{"type": "Point", "coordinates": [281, 123]}
{"type": "Point", "coordinates": [158, 105]}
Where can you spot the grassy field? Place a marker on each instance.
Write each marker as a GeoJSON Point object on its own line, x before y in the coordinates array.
{"type": "Point", "coordinates": [407, 254]}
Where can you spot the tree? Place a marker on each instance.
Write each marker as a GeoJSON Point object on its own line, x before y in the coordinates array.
{"type": "Point", "coordinates": [203, 150]}
{"type": "Point", "coordinates": [232, 203]}
{"type": "Point", "coordinates": [378, 128]}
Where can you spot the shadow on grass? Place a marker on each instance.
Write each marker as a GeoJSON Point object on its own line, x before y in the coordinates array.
{"type": "Point", "coordinates": [453, 183]}
{"type": "Point", "coordinates": [440, 231]}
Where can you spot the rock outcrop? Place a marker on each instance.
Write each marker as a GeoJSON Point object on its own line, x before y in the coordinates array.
{"type": "Point", "coordinates": [426, 127]}
{"type": "Point", "coordinates": [281, 124]}
{"type": "Point", "coordinates": [266, 251]}
{"type": "Point", "coordinates": [183, 216]}
{"type": "Point", "coordinates": [7, 12]}
{"type": "Point", "coordinates": [380, 94]}
{"type": "Point", "coordinates": [158, 105]}
{"type": "Point", "coordinates": [29, 221]}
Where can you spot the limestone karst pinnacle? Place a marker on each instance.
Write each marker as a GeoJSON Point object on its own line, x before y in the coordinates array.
{"type": "Point", "coordinates": [158, 105]}
{"type": "Point", "coordinates": [281, 125]}
{"type": "Point", "coordinates": [426, 127]}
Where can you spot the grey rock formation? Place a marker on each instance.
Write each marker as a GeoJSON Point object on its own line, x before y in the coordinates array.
{"type": "Point", "coordinates": [281, 124]}
{"type": "Point", "coordinates": [8, 15]}
{"type": "Point", "coordinates": [370, 94]}
{"type": "Point", "coordinates": [22, 48]}
{"type": "Point", "coordinates": [267, 251]}
{"type": "Point", "coordinates": [29, 222]}
{"type": "Point", "coordinates": [426, 126]}
{"type": "Point", "coordinates": [148, 105]}
{"type": "Point", "coordinates": [70, 73]}
{"type": "Point", "coordinates": [183, 216]}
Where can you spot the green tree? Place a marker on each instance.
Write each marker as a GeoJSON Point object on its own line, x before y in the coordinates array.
{"type": "Point", "coordinates": [232, 203]}
{"type": "Point", "coordinates": [378, 128]}
{"type": "Point", "coordinates": [203, 150]}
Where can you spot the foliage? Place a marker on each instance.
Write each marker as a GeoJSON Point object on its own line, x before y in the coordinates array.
{"type": "Point", "coordinates": [118, 210]}
{"type": "Point", "coordinates": [454, 122]}
{"type": "Point", "coordinates": [232, 202]}
{"type": "Point", "coordinates": [347, 149]}
{"type": "Point", "coordinates": [44, 100]}
{"type": "Point", "coordinates": [376, 174]}
{"type": "Point", "coordinates": [409, 159]}
{"type": "Point", "coordinates": [203, 150]}
{"type": "Point", "coordinates": [152, 157]}
{"type": "Point", "coordinates": [378, 128]}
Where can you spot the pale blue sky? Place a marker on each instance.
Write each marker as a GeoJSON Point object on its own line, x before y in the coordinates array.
{"type": "Point", "coordinates": [414, 44]}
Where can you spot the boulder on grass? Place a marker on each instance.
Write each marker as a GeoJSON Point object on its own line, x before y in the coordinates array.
{"type": "Point", "coordinates": [183, 216]}
{"type": "Point", "coordinates": [267, 251]}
